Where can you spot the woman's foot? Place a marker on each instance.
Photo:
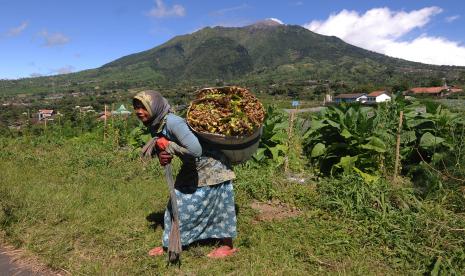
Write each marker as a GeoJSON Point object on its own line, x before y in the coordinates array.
{"type": "Point", "coordinates": [222, 252]}
{"type": "Point", "coordinates": [157, 251]}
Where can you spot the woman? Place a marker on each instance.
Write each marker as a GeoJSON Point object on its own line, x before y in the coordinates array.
{"type": "Point", "coordinates": [204, 190]}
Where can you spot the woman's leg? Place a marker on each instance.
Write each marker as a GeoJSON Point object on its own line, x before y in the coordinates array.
{"type": "Point", "coordinates": [225, 250]}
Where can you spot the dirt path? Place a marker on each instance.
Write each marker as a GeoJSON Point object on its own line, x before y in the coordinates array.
{"type": "Point", "coordinates": [14, 266]}
{"type": "Point", "coordinates": [310, 109]}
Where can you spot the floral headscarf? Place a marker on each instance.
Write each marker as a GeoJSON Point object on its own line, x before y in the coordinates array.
{"type": "Point", "coordinates": [156, 105]}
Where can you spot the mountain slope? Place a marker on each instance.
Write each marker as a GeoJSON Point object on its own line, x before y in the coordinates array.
{"type": "Point", "coordinates": [265, 50]}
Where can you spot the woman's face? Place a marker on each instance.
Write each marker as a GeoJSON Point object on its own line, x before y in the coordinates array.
{"type": "Point", "coordinates": [141, 112]}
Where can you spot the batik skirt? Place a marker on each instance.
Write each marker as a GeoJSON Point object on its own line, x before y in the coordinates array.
{"type": "Point", "coordinates": [204, 213]}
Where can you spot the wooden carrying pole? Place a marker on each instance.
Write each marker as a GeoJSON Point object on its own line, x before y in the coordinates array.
{"type": "Point", "coordinates": [396, 165]}
{"type": "Point", "coordinates": [174, 241]}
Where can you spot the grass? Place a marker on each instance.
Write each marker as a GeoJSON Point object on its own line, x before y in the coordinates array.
{"type": "Point", "coordinates": [83, 206]}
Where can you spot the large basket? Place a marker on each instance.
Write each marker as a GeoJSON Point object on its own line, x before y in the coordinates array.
{"type": "Point", "coordinates": [237, 149]}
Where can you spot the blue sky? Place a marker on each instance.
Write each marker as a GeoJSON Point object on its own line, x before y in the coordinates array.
{"type": "Point", "coordinates": [49, 36]}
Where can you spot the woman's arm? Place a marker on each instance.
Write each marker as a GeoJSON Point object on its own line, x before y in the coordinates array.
{"type": "Point", "coordinates": [188, 145]}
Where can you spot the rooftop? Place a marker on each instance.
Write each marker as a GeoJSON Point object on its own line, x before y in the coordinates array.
{"type": "Point", "coordinates": [349, 96]}
{"type": "Point", "coordinates": [377, 93]}
{"type": "Point", "coordinates": [428, 90]}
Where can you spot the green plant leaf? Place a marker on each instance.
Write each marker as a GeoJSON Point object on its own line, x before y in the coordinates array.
{"type": "Point", "coordinates": [345, 133]}
{"type": "Point", "coordinates": [347, 163]}
{"type": "Point", "coordinates": [317, 124]}
{"type": "Point", "coordinates": [368, 178]}
{"type": "Point", "coordinates": [318, 150]}
{"type": "Point", "coordinates": [280, 137]}
{"type": "Point", "coordinates": [375, 144]}
{"type": "Point", "coordinates": [333, 124]}
{"type": "Point", "coordinates": [260, 154]}
{"type": "Point", "coordinates": [280, 126]}
{"type": "Point", "coordinates": [437, 157]}
{"type": "Point", "coordinates": [428, 140]}
{"type": "Point", "coordinates": [276, 150]}
{"type": "Point", "coordinates": [418, 121]}
{"type": "Point", "coordinates": [408, 137]}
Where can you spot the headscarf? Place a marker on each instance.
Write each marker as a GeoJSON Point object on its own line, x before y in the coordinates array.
{"type": "Point", "coordinates": [156, 105]}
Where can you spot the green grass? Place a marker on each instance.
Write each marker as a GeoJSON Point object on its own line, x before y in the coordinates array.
{"type": "Point", "coordinates": [86, 207]}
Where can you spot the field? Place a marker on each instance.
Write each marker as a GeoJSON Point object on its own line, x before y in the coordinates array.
{"type": "Point", "coordinates": [87, 206]}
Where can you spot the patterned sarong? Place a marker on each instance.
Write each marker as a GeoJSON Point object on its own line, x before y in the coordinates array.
{"type": "Point", "coordinates": [204, 212]}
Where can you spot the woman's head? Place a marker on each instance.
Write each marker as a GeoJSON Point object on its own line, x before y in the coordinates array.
{"type": "Point", "coordinates": [150, 107]}
{"type": "Point", "coordinates": [141, 111]}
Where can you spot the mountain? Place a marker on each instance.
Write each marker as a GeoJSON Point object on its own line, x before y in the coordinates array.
{"type": "Point", "coordinates": [265, 51]}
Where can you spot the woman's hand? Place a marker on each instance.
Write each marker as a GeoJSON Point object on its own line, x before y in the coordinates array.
{"type": "Point", "coordinates": [162, 143]}
{"type": "Point", "coordinates": [164, 158]}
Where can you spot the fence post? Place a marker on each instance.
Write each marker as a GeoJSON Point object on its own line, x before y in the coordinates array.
{"type": "Point", "coordinates": [105, 123]}
{"type": "Point", "coordinates": [289, 135]}
{"type": "Point", "coordinates": [396, 164]}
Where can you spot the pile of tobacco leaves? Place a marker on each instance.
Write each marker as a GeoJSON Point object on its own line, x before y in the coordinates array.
{"type": "Point", "coordinates": [230, 111]}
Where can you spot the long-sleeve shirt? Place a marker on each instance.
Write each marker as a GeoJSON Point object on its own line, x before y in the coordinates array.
{"type": "Point", "coordinates": [201, 166]}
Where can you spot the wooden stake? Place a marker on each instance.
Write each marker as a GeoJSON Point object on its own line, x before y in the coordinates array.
{"type": "Point", "coordinates": [105, 124]}
{"type": "Point", "coordinates": [289, 135]}
{"type": "Point", "coordinates": [112, 106]}
{"type": "Point", "coordinates": [396, 165]}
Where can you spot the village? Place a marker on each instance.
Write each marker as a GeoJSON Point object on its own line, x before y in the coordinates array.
{"type": "Point", "coordinates": [383, 95]}
{"type": "Point", "coordinates": [38, 111]}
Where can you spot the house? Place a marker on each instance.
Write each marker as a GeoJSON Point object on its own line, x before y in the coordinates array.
{"type": "Point", "coordinates": [378, 97]}
{"type": "Point", "coordinates": [438, 91]}
{"type": "Point", "coordinates": [455, 89]}
{"type": "Point", "coordinates": [45, 113]}
{"type": "Point", "coordinates": [102, 116]}
{"type": "Point", "coordinates": [350, 98]}
{"type": "Point", "coordinates": [121, 111]}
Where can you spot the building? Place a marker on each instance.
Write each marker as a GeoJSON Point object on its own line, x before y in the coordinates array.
{"type": "Point", "coordinates": [122, 111]}
{"type": "Point", "coordinates": [45, 114]}
{"type": "Point", "coordinates": [378, 97]}
{"type": "Point", "coordinates": [437, 91]}
{"type": "Point", "coordinates": [455, 89]}
{"type": "Point", "coordinates": [102, 116]}
{"type": "Point", "coordinates": [350, 98]}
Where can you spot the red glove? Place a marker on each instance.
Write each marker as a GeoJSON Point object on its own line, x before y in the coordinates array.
{"type": "Point", "coordinates": [162, 143]}
{"type": "Point", "coordinates": [164, 158]}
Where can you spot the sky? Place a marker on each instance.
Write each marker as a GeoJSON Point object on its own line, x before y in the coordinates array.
{"type": "Point", "coordinates": [48, 37]}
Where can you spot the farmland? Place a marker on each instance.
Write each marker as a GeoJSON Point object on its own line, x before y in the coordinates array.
{"type": "Point", "coordinates": [84, 203]}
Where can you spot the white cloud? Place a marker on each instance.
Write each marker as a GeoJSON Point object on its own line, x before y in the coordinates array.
{"type": "Point", "coordinates": [18, 30]}
{"type": "Point", "coordinates": [160, 10]}
{"type": "Point", "coordinates": [54, 39]}
{"type": "Point", "coordinates": [382, 30]}
{"type": "Point", "coordinates": [36, 75]}
{"type": "Point", "coordinates": [276, 20]}
{"type": "Point", "coordinates": [452, 18]}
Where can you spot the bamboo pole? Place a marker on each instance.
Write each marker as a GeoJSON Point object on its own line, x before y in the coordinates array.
{"type": "Point", "coordinates": [105, 124]}
{"type": "Point", "coordinates": [396, 165]}
{"type": "Point", "coordinates": [289, 135]}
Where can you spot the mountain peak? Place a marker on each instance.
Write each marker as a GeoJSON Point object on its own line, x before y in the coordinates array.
{"type": "Point", "coordinates": [269, 22]}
